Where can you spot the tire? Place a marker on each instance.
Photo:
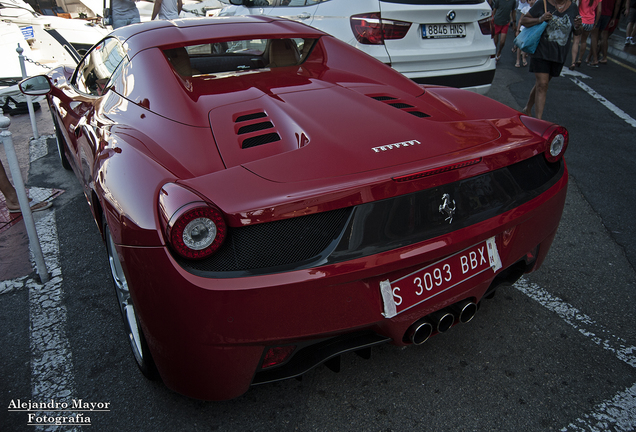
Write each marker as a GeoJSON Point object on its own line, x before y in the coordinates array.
{"type": "Point", "coordinates": [61, 144]}
{"type": "Point", "coordinates": [136, 337]}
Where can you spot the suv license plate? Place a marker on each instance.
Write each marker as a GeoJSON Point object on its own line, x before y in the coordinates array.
{"type": "Point", "coordinates": [438, 31]}
{"type": "Point", "coordinates": [423, 284]}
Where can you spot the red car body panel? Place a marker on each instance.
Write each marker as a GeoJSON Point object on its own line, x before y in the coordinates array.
{"type": "Point", "coordinates": [156, 142]}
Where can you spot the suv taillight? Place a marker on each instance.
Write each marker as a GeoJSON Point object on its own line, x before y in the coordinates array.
{"type": "Point", "coordinates": [484, 26]}
{"type": "Point", "coordinates": [372, 29]}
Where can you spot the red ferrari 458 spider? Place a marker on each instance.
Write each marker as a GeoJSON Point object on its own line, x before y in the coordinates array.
{"type": "Point", "coordinates": [271, 198]}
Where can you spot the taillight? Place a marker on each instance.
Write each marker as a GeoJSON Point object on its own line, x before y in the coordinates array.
{"type": "Point", "coordinates": [372, 29]}
{"type": "Point", "coordinates": [197, 232]}
{"type": "Point", "coordinates": [557, 139]}
{"type": "Point", "coordinates": [484, 26]}
{"type": "Point", "coordinates": [194, 228]}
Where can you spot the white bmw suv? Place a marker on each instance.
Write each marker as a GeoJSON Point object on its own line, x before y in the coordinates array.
{"type": "Point", "coordinates": [444, 42]}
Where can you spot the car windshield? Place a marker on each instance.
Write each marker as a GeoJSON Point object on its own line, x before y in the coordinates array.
{"type": "Point", "coordinates": [236, 56]}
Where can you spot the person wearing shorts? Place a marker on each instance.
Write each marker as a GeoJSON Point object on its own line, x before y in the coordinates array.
{"type": "Point", "coordinates": [503, 14]}
{"type": "Point", "coordinates": [547, 61]}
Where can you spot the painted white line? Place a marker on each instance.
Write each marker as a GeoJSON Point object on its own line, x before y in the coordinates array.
{"type": "Point", "coordinates": [616, 110]}
{"type": "Point", "coordinates": [581, 322]}
{"type": "Point", "coordinates": [619, 413]}
{"type": "Point", "coordinates": [51, 360]}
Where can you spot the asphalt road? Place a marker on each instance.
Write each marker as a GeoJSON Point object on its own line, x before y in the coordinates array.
{"type": "Point", "coordinates": [555, 352]}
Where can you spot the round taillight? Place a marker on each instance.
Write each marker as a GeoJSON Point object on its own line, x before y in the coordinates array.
{"type": "Point", "coordinates": [198, 232]}
{"type": "Point", "coordinates": [557, 143]}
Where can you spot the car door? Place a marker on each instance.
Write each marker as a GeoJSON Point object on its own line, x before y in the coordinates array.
{"type": "Point", "coordinates": [91, 82]}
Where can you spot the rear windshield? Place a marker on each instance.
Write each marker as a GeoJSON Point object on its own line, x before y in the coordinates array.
{"type": "Point", "coordinates": [235, 56]}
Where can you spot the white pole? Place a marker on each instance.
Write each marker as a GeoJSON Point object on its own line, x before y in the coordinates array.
{"type": "Point", "coordinates": [34, 125]}
{"type": "Point", "coordinates": [25, 208]}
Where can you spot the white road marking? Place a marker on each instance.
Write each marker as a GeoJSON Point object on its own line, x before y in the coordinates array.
{"type": "Point", "coordinates": [616, 110]}
{"type": "Point", "coordinates": [51, 359]}
{"type": "Point", "coordinates": [619, 413]}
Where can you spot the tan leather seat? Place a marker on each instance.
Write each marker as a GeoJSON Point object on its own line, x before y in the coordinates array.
{"type": "Point", "coordinates": [180, 60]}
{"type": "Point", "coordinates": [283, 52]}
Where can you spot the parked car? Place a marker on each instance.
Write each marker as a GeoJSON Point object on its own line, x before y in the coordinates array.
{"type": "Point", "coordinates": [271, 197]}
{"type": "Point", "coordinates": [430, 41]}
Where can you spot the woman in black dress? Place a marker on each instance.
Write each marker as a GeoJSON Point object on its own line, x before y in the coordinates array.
{"type": "Point", "coordinates": [548, 60]}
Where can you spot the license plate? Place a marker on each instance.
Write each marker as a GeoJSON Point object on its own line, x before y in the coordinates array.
{"type": "Point", "coordinates": [435, 31]}
{"type": "Point", "coordinates": [408, 291]}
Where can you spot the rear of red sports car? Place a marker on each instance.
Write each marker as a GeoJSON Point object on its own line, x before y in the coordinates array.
{"type": "Point", "coordinates": [271, 217]}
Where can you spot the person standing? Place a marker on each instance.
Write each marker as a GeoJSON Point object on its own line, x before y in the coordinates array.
{"type": "Point", "coordinates": [124, 12]}
{"type": "Point", "coordinates": [548, 59]}
{"type": "Point", "coordinates": [523, 8]}
{"type": "Point", "coordinates": [11, 197]}
{"type": "Point", "coordinates": [503, 14]}
{"type": "Point", "coordinates": [610, 10]}
{"type": "Point", "coordinates": [167, 9]}
{"type": "Point", "coordinates": [630, 13]}
{"type": "Point", "coordinates": [590, 11]}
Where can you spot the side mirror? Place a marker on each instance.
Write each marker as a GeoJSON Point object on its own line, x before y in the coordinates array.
{"type": "Point", "coordinates": [237, 2]}
{"type": "Point", "coordinates": [35, 86]}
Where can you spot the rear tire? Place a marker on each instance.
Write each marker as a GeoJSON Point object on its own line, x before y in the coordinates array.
{"type": "Point", "coordinates": [136, 337]}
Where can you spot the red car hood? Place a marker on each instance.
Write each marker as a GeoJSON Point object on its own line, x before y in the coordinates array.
{"type": "Point", "coordinates": [324, 130]}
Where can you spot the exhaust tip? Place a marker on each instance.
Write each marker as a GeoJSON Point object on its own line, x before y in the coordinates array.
{"type": "Point", "coordinates": [443, 320]}
{"type": "Point", "coordinates": [419, 332]}
{"type": "Point", "coordinates": [466, 311]}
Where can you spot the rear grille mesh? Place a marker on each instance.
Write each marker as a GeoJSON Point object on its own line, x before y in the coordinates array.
{"type": "Point", "coordinates": [275, 245]}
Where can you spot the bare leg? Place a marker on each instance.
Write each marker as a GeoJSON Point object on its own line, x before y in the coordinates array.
{"type": "Point", "coordinates": [7, 189]}
{"type": "Point", "coordinates": [527, 110]}
{"type": "Point", "coordinates": [502, 43]}
{"type": "Point", "coordinates": [604, 44]}
{"type": "Point", "coordinates": [575, 48]}
{"type": "Point", "coordinates": [584, 36]}
{"type": "Point", "coordinates": [540, 92]}
{"type": "Point", "coordinates": [594, 47]}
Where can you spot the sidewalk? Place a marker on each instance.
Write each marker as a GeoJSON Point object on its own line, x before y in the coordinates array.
{"type": "Point", "coordinates": [14, 242]}
{"type": "Point", "coordinates": [617, 47]}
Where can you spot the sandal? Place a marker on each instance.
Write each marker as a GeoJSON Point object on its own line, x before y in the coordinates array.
{"type": "Point", "coordinates": [578, 64]}
{"type": "Point", "coordinates": [602, 62]}
{"type": "Point", "coordinates": [572, 66]}
{"type": "Point", "coordinates": [517, 64]}
{"type": "Point", "coordinates": [525, 63]}
{"type": "Point", "coordinates": [34, 208]}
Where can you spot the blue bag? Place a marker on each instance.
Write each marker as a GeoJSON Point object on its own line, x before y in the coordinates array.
{"type": "Point", "coordinates": [529, 38]}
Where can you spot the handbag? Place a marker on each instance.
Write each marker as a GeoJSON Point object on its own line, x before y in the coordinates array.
{"type": "Point", "coordinates": [529, 38]}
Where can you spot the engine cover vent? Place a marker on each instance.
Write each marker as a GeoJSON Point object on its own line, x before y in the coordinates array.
{"type": "Point", "coordinates": [249, 127]}
{"type": "Point", "coordinates": [396, 103]}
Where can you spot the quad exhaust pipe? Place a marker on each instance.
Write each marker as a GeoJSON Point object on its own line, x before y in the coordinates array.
{"type": "Point", "coordinates": [440, 321]}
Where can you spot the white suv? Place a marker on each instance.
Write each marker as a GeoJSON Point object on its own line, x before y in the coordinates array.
{"type": "Point", "coordinates": [444, 42]}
